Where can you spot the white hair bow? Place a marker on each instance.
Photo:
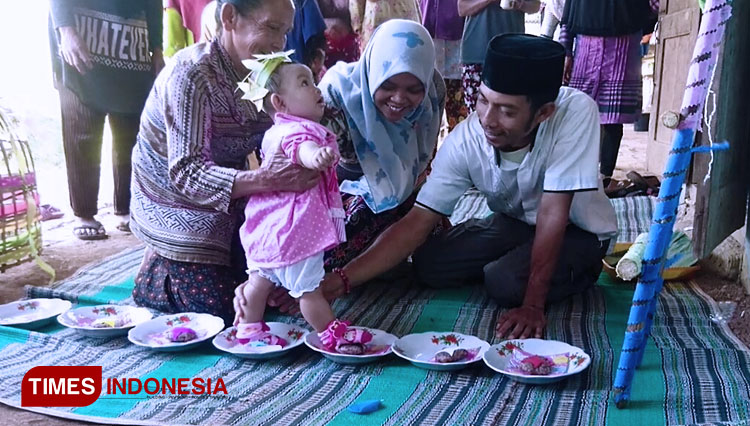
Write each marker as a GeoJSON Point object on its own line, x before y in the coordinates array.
{"type": "Point", "coordinates": [261, 68]}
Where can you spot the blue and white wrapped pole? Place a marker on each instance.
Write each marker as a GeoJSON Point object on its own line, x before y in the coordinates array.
{"type": "Point", "coordinates": [716, 14]}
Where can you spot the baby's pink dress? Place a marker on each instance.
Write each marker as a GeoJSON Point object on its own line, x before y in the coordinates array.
{"type": "Point", "coordinates": [283, 228]}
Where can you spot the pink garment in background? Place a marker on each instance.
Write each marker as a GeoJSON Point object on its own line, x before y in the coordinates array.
{"type": "Point", "coordinates": [191, 11]}
{"type": "Point", "coordinates": [283, 228]}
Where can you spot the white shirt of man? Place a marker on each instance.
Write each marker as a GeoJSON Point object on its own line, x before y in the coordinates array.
{"type": "Point", "coordinates": [563, 158]}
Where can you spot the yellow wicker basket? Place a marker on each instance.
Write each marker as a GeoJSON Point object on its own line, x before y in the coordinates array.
{"type": "Point", "coordinates": [20, 226]}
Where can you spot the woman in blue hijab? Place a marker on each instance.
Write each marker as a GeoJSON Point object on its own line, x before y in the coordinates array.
{"type": "Point", "coordinates": [386, 110]}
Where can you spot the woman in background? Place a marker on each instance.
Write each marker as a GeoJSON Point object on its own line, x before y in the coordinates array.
{"type": "Point", "coordinates": [602, 39]}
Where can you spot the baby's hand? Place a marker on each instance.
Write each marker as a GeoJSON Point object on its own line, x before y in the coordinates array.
{"type": "Point", "coordinates": [324, 158]}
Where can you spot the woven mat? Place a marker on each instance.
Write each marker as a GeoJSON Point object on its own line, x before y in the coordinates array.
{"type": "Point", "coordinates": [694, 372]}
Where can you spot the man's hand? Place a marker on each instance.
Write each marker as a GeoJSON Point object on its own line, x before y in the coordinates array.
{"type": "Point", "coordinates": [280, 298]}
{"type": "Point", "coordinates": [521, 323]}
{"type": "Point", "coordinates": [332, 286]}
{"type": "Point", "coordinates": [74, 51]}
{"type": "Point", "coordinates": [323, 159]}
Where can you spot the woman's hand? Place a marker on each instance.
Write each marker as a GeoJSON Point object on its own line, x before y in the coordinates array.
{"type": "Point", "coordinates": [279, 298]}
{"type": "Point", "coordinates": [74, 51]}
{"type": "Point", "coordinates": [239, 302]}
{"type": "Point", "coordinates": [277, 173]}
{"type": "Point", "coordinates": [286, 176]}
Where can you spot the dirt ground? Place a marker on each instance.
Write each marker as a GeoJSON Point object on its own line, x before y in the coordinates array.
{"type": "Point", "coordinates": [67, 254]}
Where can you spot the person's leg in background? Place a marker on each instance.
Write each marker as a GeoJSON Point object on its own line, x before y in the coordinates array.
{"type": "Point", "coordinates": [457, 256]}
{"type": "Point", "coordinates": [448, 62]}
{"type": "Point", "coordinates": [124, 131]}
{"type": "Point", "coordinates": [610, 146]}
{"type": "Point", "coordinates": [82, 129]}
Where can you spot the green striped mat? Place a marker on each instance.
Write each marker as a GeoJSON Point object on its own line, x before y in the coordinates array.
{"type": "Point", "coordinates": [694, 372]}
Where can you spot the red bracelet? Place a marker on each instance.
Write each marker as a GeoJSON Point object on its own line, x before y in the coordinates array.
{"type": "Point", "coordinates": [347, 285]}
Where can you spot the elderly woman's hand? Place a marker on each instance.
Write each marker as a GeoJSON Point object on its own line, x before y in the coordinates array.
{"type": "Point", "coordinates": [239, 302]}
{"type": "Point", "coordinates": [277, 173]}
{"type": "Point", "coordinates": [279, 298]}
{"type": "Point", "coordinates": [287, 176]}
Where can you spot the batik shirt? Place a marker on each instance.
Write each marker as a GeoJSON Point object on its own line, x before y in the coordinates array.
{"type": "Point", "coordinates": [196, 133]}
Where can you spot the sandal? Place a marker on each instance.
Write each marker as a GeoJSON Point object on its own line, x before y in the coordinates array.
{"type": "Point", "coordinates": [341, 338]}
{"type": "Point", "coordinates": [49, 212]}
{"type": "Point", "coordinates": [623, 188]}
{"type": "Point", "coordinates": [90, 232]}
{"type": "Point", "coordinates": [258, 332]}
{"type": "Point", "coordinates": [649, 184]}
{"type": "Point", "coordinates": [124, 227]}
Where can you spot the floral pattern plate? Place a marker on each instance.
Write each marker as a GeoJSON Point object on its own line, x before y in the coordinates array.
{"type": "Point", "coordinates": [151, 334]}
{"type": "Point", "coordinates": [104, 320]}
{"type": "Point", "coordinates": [32, 313]}
{"type": "Point", "coordinates": [420, 349]}
{"type": "Point", "coordinates": [227, 341]}
{"type": "Point", "coordinates": [567, 359]}
{"type": "Point", "coordinates": [380, 346]}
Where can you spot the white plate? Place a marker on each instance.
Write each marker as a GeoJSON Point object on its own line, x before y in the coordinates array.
{"type": "Point", "coordinates": [420, 349]}
{"type": "Point", "coordinates": [501, 358]}
{"type": "Point", "coordinates": [115, 320]}
{"type": "Point", "coordinates": [227, 341]}
{"type": "Point", "coordinates": [150, 334]}
{"type": "Point", "coordinates": [32, 313]}
{"type": "Point", "coordinates": [380, 346]}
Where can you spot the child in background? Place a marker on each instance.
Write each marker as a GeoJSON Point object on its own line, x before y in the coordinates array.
{"type": "Point", "coordinates": [285, 233]}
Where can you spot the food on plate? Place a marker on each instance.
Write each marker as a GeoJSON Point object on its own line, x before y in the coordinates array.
{"type": "Point", "coordinates": [445, 356]}
{"type": "Point", "coordinates": [350, 348]}
{"type": "Point", "coordinates": [180, 334]}
{"type": "Point", "coordinates": [110, 322]}
{"type": "Point", "coordinates": [537, 365]}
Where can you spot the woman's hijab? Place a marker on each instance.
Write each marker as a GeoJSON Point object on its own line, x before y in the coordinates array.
{"type": "Point", "coordinates": [391, 155]}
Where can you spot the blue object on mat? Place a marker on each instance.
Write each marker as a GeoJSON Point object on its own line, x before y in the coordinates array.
{"type": "Point", "coordinates": [366, 407]}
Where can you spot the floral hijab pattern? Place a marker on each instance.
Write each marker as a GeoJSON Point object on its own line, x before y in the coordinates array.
{"type": "Point", "coordinates": [391, 155]}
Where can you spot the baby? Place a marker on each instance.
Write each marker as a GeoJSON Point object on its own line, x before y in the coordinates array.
{"type": "Point", "coordinates": [285, 233]}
